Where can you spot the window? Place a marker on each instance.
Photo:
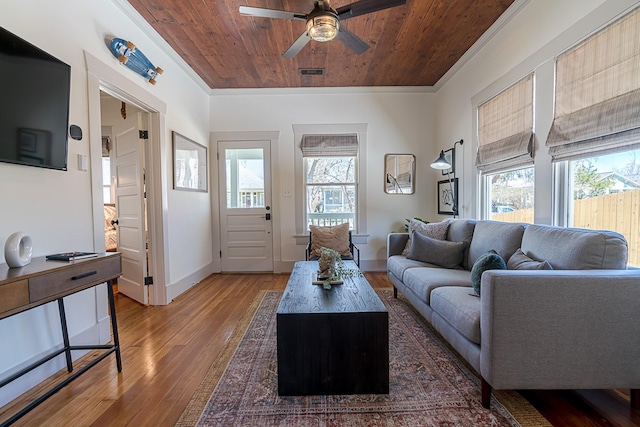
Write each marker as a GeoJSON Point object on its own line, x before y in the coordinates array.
{"type": "Point", "coordinates": [345, 143]}
{"type": "Point", "coordinates": [331, 190]}
{"type": "Point", "coordinates": [106, 180]}
{"type": "Point", "coordinates": [505, 153]}
{"type": "Point", "coordinates": [605, 195]}
{"type": "Point", "coordinates": [107, 195]}
{"type": "Point", "coordinates": [510, 195]}
{"type": "Point", "coordinates": [594, 140]}
{"type": "Point", "coordinates": [330, 179]}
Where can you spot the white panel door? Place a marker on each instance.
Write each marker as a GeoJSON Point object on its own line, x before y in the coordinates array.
{"type": "Point", "coordinates": [129, 192]}
{"type": "Point", "coordinates": [245, 198]}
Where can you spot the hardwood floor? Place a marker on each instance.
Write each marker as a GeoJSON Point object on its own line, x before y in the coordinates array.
{"type": "Point", "coordinates": [167, 350]}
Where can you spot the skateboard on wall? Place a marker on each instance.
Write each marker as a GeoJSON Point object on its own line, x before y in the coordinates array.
{"type": "Point", "coordinates": [132, 58]}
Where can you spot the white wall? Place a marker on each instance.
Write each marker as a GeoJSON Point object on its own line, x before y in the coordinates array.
{"type": "Point", "coordinates": [55, 207]}
{"type": "Point", "coordinates": [399, 121]}
{"type": "Point", "coordinates": [530, 42]}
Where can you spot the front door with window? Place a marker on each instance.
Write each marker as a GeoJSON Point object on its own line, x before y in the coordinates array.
{"type": "Point", "coordinates": [245, 206]}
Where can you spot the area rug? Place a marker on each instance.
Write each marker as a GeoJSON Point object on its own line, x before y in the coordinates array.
{"type": "Point", "coordinates": [429, 385]}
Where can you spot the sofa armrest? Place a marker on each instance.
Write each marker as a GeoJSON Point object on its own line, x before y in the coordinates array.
{"type": "Point", "coordinates": [560, 329]}
{"type": "Point", "coordinates": [396, 243]}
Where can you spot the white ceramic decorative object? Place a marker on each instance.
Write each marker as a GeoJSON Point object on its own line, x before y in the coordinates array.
{"type": "Point", "coordinates": [18, 250]}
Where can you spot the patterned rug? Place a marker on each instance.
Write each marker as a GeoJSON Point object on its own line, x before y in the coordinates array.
{"type": "Point", "coordinates": [429, 386]}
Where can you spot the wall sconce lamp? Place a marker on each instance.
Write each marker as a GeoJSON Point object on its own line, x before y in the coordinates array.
{"type": "Point", "coordinates": [441, 163]}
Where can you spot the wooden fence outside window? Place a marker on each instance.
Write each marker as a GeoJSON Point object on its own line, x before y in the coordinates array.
{"type": "Point", "coordinates": [617, 212]}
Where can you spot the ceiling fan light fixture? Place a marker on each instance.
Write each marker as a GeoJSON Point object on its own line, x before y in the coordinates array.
{"type": "Point", "coordinates": [323, 28]}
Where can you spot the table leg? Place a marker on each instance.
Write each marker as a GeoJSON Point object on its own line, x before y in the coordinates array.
{"type": "Point", "coordinates": [65, 334]}
{"type": "Point", "coordinates": [114, 324]}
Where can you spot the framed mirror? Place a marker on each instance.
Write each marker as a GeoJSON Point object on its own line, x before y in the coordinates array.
{"type": "Point", "coordinates": [399, 173]}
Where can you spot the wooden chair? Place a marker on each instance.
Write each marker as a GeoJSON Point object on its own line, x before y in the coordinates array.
{"type": "Point", "coordinates": [353, 249]}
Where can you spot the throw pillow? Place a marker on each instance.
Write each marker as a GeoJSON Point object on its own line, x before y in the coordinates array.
{"type": "Point", "coordinates": [439, 252]}
{"type": "Point", "coordinates": [336, 238]}
{"type": "Point", "coordinates": [519, 261]}
{"type": "Point", "coordinates": [487, 261]}
{"type": "Point", "coordinates": [436, 230]}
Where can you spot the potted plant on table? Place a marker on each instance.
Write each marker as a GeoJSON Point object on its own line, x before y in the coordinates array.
{"type": "Point", "coordinates": [331, 268]}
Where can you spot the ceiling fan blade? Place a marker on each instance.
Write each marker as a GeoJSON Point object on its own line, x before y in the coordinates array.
{"type": "Point", "coordinates": [366, 6]}
{"type": "Point", "coordinates": [297, 45]}
{"type": "Point", "coordinates": [352, 41]}
{"type": "Point", "coordinates": [270, 13]}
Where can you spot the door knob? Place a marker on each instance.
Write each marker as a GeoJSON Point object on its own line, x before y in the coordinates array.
{"type": "Point", "coordinates": [114, 222]}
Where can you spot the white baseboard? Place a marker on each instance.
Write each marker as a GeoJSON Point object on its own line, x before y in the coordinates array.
{"type": "Point", "coordinates": [187, 282]}
{"type": "Point", "coordinates": [373, 265]}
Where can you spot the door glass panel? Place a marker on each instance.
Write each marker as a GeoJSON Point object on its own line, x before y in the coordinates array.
{"type": "Point", "coordinates": [245, 178]}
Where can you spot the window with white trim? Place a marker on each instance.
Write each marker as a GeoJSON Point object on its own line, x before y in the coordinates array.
{"type": "Point", "coordinates": [510, 195]}
{"type": "Point", "coordinates": [330, 171]}
{"type": "Point", "coordinates": [594, 140]}
{"type": "Point", "coordinates": [505, 153]}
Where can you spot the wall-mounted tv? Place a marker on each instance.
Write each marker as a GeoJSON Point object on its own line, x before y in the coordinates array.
{"type": "Point", "coordinates": [34, 105]}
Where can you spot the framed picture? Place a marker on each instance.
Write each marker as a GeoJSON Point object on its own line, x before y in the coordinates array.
{"type": "Point", "coordinates": [447, 198]}
{"type": "Point", "coordinates": [450, 155]}
{"type": "Point", "coordinates": [189, 164]}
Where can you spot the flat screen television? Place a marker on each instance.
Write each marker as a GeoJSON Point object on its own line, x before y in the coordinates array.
{"type": "Point", "coordinates": [34, 105]}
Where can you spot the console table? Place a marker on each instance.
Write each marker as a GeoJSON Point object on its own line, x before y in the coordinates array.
{"type": "Point", "coordinates": [43, 281]}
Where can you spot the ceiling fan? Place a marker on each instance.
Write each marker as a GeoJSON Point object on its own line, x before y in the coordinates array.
{"type": "Point", "coordinates": [323, 22]}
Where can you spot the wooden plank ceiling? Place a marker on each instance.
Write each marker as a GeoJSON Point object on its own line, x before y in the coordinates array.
{"type": "Point", "coordinates": [410, 45]}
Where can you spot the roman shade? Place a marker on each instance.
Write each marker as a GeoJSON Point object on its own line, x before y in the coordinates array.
{"type": "Point", "coordinates": [328, 145]}
{"type": "Point", "coordinates": [505, 128]}
{"type": "Point", "coordinates": [597, 97]}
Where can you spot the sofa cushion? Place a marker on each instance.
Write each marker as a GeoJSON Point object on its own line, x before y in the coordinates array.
{"type": "Point", "coordinates": [520, 261]}
{"type": "Point", "coordinates": [461, 230]}
{"type": "Point", "coordinates": [336, 238]}
{"type": "Point", "coordinates": [503, 237]}
{"type": "Point", "coordinates": [488, 261]}
{"type": "Point", "coordinates": [421, 281]}
{"type": "Point", "coordinates": [436, 230]}
{"type": "Point", "coordinates": [440, 252]}
{"type": "Point", "coordinates": [576, 249]}
{"type": "Point", "coordinates": [460, 308]}
{"type": "Point", "coordinates": [398, 264]}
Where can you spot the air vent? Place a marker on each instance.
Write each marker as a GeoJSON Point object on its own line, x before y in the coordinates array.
{"type": "Point", "coordinates": [311, 71]}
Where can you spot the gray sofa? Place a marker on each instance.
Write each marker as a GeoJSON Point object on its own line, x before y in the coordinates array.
{"type": "Point", "coordinates": [572, 327]}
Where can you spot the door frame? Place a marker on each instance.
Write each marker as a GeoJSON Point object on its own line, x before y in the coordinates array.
{"type": "Point", "coordinates": [100, 76]}
{"type": "Point", "coordinates": [272, 137]}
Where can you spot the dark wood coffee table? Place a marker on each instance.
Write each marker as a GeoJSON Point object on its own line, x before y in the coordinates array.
{"type": "Point", "coordinates": [332, 341]}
